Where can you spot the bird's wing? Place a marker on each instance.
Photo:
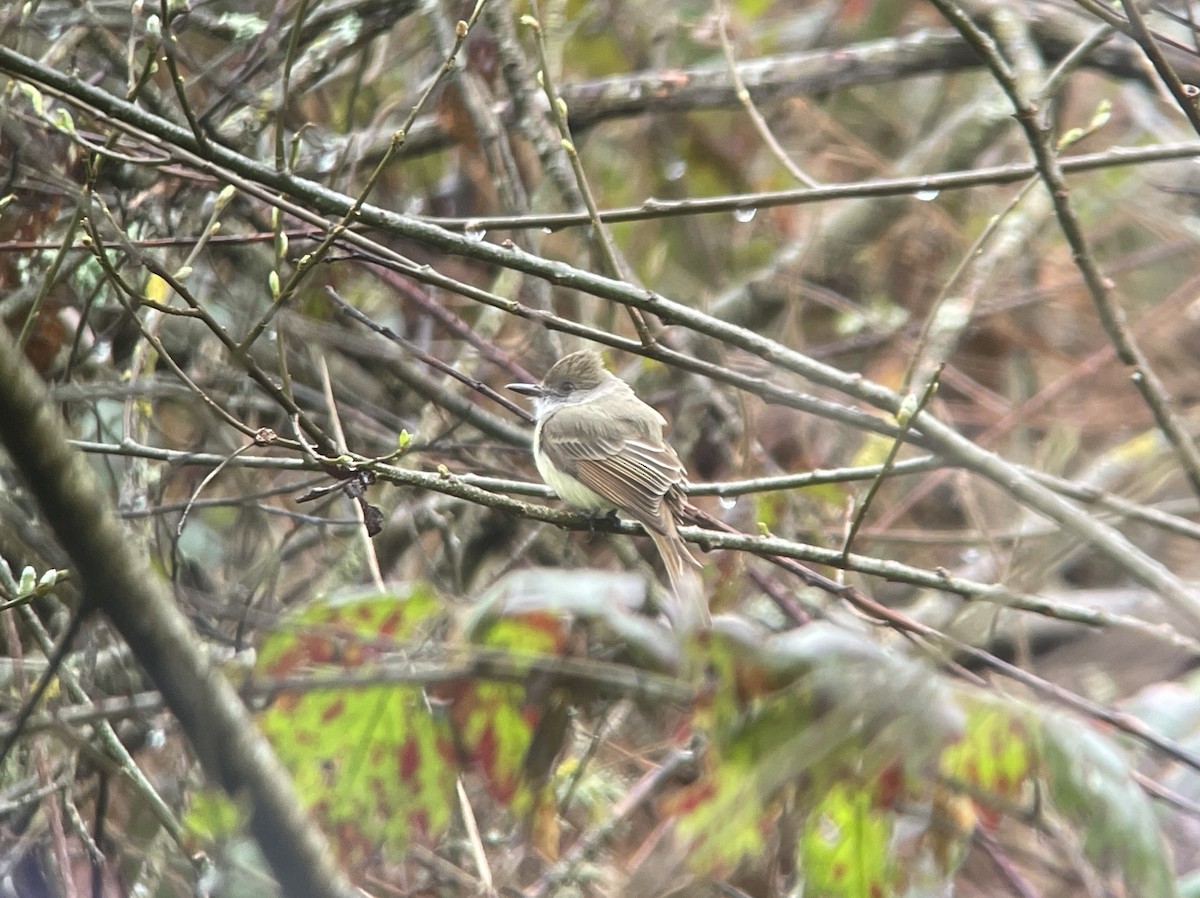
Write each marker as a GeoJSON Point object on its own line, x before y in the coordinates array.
{"type": "Point", "coordinates": [633, 474]}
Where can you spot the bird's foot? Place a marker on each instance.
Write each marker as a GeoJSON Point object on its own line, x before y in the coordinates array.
{"type": "Point", "coordinates": [594, 516]}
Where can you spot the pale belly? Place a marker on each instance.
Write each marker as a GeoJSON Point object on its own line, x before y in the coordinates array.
{"type": "Point", "coordinates": [571, 490]}
{"type": "Point", "coordinates": [567, 487]}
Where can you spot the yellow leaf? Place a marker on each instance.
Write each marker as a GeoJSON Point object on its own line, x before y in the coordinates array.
{"type": "Point", "coordinates": [157, 290]}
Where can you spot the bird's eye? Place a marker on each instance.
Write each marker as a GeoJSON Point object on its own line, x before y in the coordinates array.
{"type": "Point", "coordinates": [568, 387]}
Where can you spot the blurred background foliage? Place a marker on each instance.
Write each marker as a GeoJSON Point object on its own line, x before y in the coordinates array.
{"type": "Point", "coordinates": [164, 260]}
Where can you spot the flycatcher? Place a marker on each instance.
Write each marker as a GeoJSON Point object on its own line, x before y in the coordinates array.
{"type": "Point", "coordinates": [601, 449]}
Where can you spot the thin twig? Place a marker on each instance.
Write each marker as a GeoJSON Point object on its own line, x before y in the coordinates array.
{"type": "Point", "coordinates": [594, 839]}
{"type": "Point", "coordinates": [747, 101]}
{"type": "Point", "coordinates": [616, 265]}
{"type": "Point", "coordinates": [311, 259]}
{"type": "Point", "coordinates": [170, 51]}
{"type": "Point", "coordinates": [995, 175]}
{"type": "Point", "coordinates": [889, 463]}
{"type": "Point", "coordinates": [1100, 287]}
{"type": "Point", "coordinates": [368, 547]}
{"type": "Point", "coordinates": [265, 182]}
{"type": "Point", "coordinates": [1185, 98]}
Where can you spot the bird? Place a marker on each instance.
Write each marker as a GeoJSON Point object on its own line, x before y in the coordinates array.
{"type": "Point", "coordinates": [602, 449]}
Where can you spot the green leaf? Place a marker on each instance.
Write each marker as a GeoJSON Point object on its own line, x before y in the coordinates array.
{"type": "Point", "coordinates": [844, 849]}
{"type": "Point", "coordinates": [994, 755]}
{"type": "Point", "coordinates": [818, 707]}
{"type": "Point", "coordinates": [374, 765]}
{"type": "Point", "coordinates": [212, 816]}
{"type": "Point", "coordinates": [499, 727]}
{"type": "Point", "coordinates": [607, 601]}
{"type": "Point", "coordinates": [34, 96]}
{"type": "Point", "coordinates": [1091, 784]}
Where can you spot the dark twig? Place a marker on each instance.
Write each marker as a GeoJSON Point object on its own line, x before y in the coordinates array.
{"type": "Point", "coordinates": [1183, 96]}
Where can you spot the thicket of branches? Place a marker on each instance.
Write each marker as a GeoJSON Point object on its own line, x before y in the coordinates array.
{"type": "Point", "coordinates": [913, 283]}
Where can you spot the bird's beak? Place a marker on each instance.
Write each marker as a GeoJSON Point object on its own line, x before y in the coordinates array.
{"type": "Point", "coordinates": [526, 389]}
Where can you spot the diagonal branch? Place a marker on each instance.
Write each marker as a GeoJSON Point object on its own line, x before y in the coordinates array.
{"type": "Point", "coordinates": [118, 582]}
{"type": "Point", "coordinates": [930, 432]}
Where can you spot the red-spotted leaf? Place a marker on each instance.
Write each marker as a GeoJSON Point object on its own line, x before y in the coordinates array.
{"type": "Point", "coordinates": [373, 763]}
{"type": "Point", "coordinates": [793, 718]}
{"type": "Point", "coordinates": [500, 726]}
{"type": "Point", "coordinates": [845, 847]}
{"type": "Point", "coordinates": [994, 755]}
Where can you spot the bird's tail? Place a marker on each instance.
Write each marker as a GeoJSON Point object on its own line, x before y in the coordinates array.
{"type": "Point", "coordinates": [689, 609]}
